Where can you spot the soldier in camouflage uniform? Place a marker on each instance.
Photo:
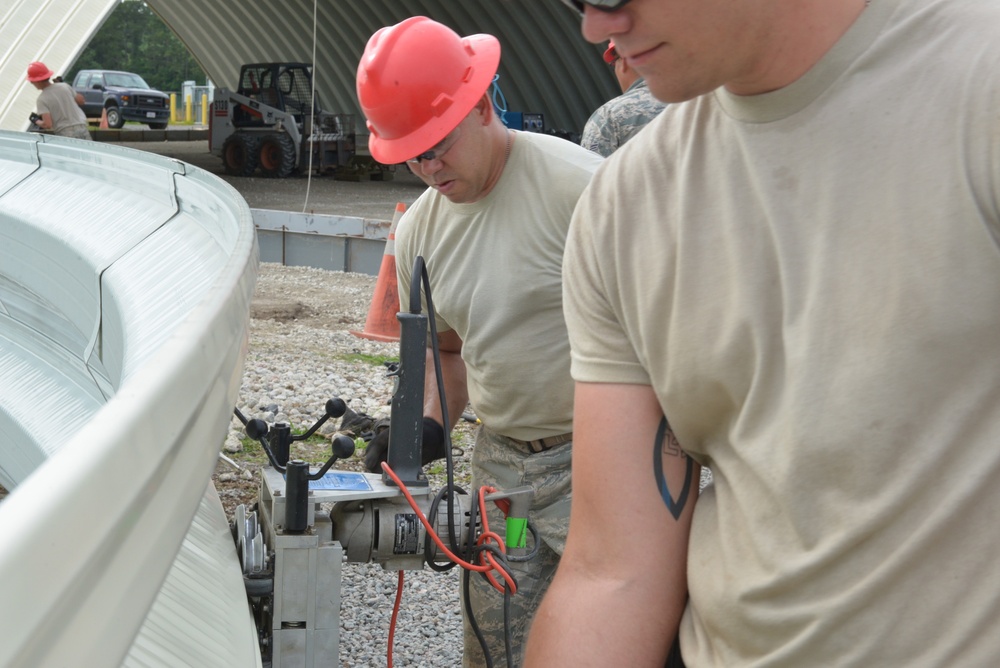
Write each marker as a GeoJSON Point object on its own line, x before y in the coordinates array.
{"type": "Point", "coordinates": [615, 122]}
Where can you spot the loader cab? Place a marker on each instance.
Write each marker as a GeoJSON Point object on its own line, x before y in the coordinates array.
{"type": "Point", "coordinates": [283, 86]}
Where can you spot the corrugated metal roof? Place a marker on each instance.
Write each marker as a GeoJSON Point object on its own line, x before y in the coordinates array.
{"type": "Point", "coordinates": [55, 32]}
{"type": "Point", "coordinates": [547, 67]}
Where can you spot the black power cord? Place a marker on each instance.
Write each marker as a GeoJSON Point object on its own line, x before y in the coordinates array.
{"type": "Point", "coordinates": [419, 278]}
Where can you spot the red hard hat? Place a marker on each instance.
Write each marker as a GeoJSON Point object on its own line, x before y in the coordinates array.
{"type": "Point", "coordinates": [417, 80]}
{"type": "Point", "coordinates": [39, 72]}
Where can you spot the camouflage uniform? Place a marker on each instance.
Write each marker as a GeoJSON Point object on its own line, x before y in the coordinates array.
{"type": "Point", "coordinates": [504, 463]}
{"type": "Point", "coordinates": [617, 120]}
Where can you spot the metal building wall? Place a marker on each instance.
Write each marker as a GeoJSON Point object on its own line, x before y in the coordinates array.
{"type": "Point", "coordinates": [547, 67]}
{"type": "Point", "coordinates": [546, 64]}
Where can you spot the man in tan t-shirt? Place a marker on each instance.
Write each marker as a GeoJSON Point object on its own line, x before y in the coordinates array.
{"type": "Point", "coordinates": [794, 279]}
{"type": "Point", "coordinates": [59, 106]}
{"type": "Point", "coordinates": [492, 228]}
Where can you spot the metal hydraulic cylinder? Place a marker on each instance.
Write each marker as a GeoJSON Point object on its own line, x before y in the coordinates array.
{"type": "Point", "coordinates": [296, 496]}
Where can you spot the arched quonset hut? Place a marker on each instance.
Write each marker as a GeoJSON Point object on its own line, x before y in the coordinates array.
{"type": "Point", "coordinates": [547, 67]}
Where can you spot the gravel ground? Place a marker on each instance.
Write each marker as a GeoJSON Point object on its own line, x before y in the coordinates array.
{"type": "Point", "coordinates": [301, 353]}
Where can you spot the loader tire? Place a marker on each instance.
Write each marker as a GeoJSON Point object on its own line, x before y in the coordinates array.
{"type": "Point", "coordinates": [239, 154]}
{"type": "Point", "coordinates": [277, 156]}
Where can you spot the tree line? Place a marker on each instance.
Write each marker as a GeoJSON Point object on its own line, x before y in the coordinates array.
{"type": "Point", "coordinates": [135, 39]}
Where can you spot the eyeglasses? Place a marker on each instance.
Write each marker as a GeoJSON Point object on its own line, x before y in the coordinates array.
{"type": "Point", "coordinates": [603, 5]}
{"type": "Point", "coordinates": [438, 151]}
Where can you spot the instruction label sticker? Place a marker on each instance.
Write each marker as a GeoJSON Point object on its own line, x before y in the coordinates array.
{"type": "Point", "coordinates": [341, 481]}
{"type": "Point", "coordinates": [407, 534]}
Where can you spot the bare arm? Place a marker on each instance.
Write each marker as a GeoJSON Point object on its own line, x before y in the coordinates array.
{"type": "Point", "coordinates": [46, 122]}
{"type": "Point", "coordinates": [453, 374]}
{"type": "Point", "coordinates": [621, 586]}
{"type": "Point", "coordinates": [79, 99]}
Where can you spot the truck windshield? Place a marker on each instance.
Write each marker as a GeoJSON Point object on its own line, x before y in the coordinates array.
{"type": "Point", "coordinates": [124, 80]}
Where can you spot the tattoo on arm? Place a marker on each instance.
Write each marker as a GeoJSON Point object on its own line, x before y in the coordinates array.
{"type": "Point", "coordinates": [666, 443]}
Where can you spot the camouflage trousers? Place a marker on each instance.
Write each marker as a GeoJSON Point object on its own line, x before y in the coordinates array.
{"type": "Point", "coordinates": [75, 131]}
{"type": "Point", "coordinates": [503, 463]}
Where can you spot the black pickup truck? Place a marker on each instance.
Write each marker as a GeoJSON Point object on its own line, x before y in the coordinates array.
{"type": "Point", "coordinates": [124, 96]}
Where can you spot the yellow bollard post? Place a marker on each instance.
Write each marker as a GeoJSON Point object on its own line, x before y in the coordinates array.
{"type": "Point", "coordinates": [187, 108]}
{"type": "Point", "coordinates": [204, 108]}
{"type": "Point", "coordinates": [173, 107]}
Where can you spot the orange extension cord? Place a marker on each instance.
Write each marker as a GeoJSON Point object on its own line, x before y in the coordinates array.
{"type": "Point", "coordinates": [488, 565]}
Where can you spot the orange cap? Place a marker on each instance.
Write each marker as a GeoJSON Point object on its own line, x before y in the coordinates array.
{"type": "Point", "coordinates": [417, 80]}
{"type": "Point", "coordinates": [610, 54]}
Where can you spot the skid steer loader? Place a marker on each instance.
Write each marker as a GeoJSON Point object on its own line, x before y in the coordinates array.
{"type": "Point", "coordinates": [272, 122]}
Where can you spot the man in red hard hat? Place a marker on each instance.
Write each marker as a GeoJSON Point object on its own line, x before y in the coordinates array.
{"type": "Point", "coordinates": [58, 104]}
{"type": "Point", "coordinates": [491, 228]}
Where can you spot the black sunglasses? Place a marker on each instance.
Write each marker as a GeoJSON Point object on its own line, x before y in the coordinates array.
{"type": "Point", "coordinates": [603, 5]}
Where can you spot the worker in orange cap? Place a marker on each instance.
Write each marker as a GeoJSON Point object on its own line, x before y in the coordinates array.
{"type": "Point", "coordinates": [620, 118]}
{"type": "Point", "coordinates": [491, 227]}
{"type": "Point", "coordinates": [58, 104]}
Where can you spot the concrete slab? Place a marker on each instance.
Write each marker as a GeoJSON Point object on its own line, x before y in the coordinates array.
{"type": "Point", "coordinates": [138, 133]}
{"type": "Point", "coordinates": [322, 194]}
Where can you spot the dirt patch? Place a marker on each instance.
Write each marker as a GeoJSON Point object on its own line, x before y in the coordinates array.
{"type": "Point", "coordinates": [279, 310]}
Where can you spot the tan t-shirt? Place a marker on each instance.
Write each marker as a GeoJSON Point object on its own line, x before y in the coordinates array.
{"type": "Point", "coordinates": [495, 270]}
{"type": "Point", "coordinates": [59, 101]}
{"type": "Point", "coordinates": [810, 281]}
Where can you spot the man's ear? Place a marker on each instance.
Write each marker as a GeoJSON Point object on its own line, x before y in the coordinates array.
{"type": "Point", "coordinates": [485, 108]}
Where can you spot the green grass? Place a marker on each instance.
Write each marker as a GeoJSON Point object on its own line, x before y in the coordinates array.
{"type": "Point", "coordinates": [374, 360]}
{"type": "Point", "coordinates": [315, 449]}
{"type": "Point", "coordinates": [253, 451]}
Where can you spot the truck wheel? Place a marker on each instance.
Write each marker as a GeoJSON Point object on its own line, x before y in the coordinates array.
{"type": "Point", "coordinates": [277, 156]}
{"type": "Point", "coordinates": [115, 119]}
{"type": "Point", "coordinates": [239, 154]}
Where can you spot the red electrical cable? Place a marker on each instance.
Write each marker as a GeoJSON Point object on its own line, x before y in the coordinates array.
{"type": "Point", "coordinates": [484, 556]}
{"type": "Point", "coordinates": [490, 564]}
{"type": "Point", "coordinates": [392, 621]}
{"type": "Point", "coordinates": [483, 491]}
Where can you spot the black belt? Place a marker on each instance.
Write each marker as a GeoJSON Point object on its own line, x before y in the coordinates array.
{"type": "Point", "coordinates": [543, 444]}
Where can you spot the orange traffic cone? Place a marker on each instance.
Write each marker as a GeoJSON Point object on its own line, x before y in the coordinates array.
{"type": "Point", "coordinates": [104, 120]}
{"type": "Point", "coordinates": [381, 324]}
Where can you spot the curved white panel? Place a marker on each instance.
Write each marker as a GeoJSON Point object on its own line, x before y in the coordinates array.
{"type": "Point", "coordinates": [125, 285]}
